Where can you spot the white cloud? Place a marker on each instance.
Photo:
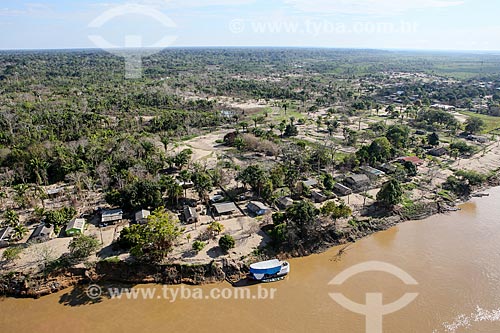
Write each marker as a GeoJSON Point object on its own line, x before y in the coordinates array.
{"type": "Point", "coordinates": [191, 3]}
{"type": "Point", "coordinates": [28, 9]}
{"type": "Point", "coordinates": [367, 7]}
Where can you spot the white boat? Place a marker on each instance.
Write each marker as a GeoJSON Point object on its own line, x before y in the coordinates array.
{"type": "Point", "coordinates": [269, 271]}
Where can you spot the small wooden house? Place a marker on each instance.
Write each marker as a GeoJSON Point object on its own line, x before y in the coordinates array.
{"type": "Point", "coordinates": [258, 208]}
{"type": "Point", "coordinates": [342, 189]}
{"type": "Point", "coordinates": [141, 217]}
{"type": "Point", "coordinates": [75, 227]}
{"type": "Point", "coordinates": [190, 215]}
{"type": "Point", "coordinates": [42, 233]}
{"type": "Point", "coordinates": [111, 216]}
{"type": "Point", "coordinates": [285, 202]}
{"type": "Point", "coordinates": [226, 208]}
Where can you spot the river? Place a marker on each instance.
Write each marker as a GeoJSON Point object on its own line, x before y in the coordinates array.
{"type": "Point", "coordinates": [454, 258]}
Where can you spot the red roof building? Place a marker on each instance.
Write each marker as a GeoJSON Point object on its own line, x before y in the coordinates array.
{"type": "Point", "coordinates": [413, 159]}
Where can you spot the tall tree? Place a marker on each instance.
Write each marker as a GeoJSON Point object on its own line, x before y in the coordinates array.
{"type": "Point", "coordinates": [390, 194]}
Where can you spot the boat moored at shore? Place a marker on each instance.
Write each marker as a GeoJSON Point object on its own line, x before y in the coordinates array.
{"type": "Point", "coordinates": [269, 271]}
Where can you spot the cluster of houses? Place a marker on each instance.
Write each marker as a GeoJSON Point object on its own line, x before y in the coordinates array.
{"type": "Point", "coordinates": [75, 227]}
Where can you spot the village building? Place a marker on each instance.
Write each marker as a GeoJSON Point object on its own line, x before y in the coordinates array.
{"type": "Point", "coordinates": [372, 173]}
{"type": "Point", "coordinates": [388, 168]}
{"type": "Point", "coordinates": [413, 159]}
{"type": "Point", "coordinates": [358, 181]}
{"type": "Point", "coordinates": [5, 234]}
{"type": "Point", "coordinates": [342, 189]}
{"type": "Point", "coordinates": [141, 217]}
{"type": "Point", "coordinates": [226, 208]}
{"type": "Point", "coordinates": [190, 215]}
{"type": "Point", "coordinates": [42, 233]}
{"type": "Point", "coordinates": [258, 208]}
{"type": "Point", "coordinates": [319, 196]}
{"type": "Point", "coordinates": [477, 138]}
{"type": "Point", "coordinates": [75, 227]}
{"type": "Point", "coordinates": [111, 216]}
{"type": "Point", "coordinates": [285, 202]}
{"type": "Point", "coordinates": [443, 107]}
{"type": "Point", "coordinates": [55, 192]}
{"type": "Point", "coordinates": [217, 198]}
{"type": "Point", "coordinates": [438, 152]}
{"type": "Point", "coordinates": [310, 183]}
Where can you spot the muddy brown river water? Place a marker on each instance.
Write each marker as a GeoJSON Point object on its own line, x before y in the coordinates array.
{"type": "Point", "coordinates": [454, 258]}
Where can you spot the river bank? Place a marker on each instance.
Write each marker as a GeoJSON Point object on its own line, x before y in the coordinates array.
{"type": "Point", "coordinates": [453, 257]}
{"type": "Point", "coordinates": [16, 284]}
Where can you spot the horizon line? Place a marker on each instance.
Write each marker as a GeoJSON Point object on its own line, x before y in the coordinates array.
{"type": "Point", "coordinates": [248, 47]}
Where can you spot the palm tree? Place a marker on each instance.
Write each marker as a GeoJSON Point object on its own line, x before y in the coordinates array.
{"type": "Point", "coordinates": [185, 176]}
{"type": "Point", "coordinates": [21, 191]}
{"type": "Point", "coordinates": [19, 232]}
{"type": "Point", "coordinates": [39, 168]}
{"type": "Point", "coordinates": [11, 218]}
{"type": "Point", "coordinates": [281, 128]}
{"type": "Point", "coordinates": [39, 193]}
{"type": "Point", "coordinates": [216, 227]}
{"type": "Point", "coordinates": [174, 191]}
{"type": "Point", "coordinates": [272, 127]}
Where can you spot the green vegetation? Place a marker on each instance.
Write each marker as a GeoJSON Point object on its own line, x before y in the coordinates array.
{"type": "Point", "coordinates": [390, 194]}
{"type": "Point", "coordinates": [491, 123]}
{"type": "Point", "coordinates": [154, 240]}
{"type": "Point", "coordinates": [226, 243]}
{"type": "Point", "coordinates": [336, 211]}
{"type": "Point", "coordinates": [12, 253]}
{"type": "Point", "coordinates": [71, 120]}
{"type": "Point", "coordinates": [198, 245]}
{"type": "Point", "coordinates": [81, 247]}
{"type": "Point", "coordinates": [474, 125]}
{"type": "Point", "coordinates": [59, 218]}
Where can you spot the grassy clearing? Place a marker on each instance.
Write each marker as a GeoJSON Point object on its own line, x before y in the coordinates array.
{"type": "Point", "coordinates": [492, 123]}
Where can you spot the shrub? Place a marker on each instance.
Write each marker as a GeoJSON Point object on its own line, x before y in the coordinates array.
{"type": "Point", "coordinates": [226, 243]}
{"type": "Point", "coordinates": [198, 245]}
{"type": "Point", "coordinates": [82, 247]}
{"type": "Point", "coordinates": [12, 253]}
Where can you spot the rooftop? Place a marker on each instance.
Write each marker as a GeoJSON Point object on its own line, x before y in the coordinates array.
{"type": "Point", "coordinates": [112, 212]}
{"type": "Point", "coordinates": [142, 214]}
{"type": "Point", "coordinates": [226, 207]}
{"type": "Point", "coordinates": [76, 224]}
{"type": "Point", "coordinates": [310, 182]}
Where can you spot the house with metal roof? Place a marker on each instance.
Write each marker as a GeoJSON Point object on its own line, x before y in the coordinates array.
{"type": "Point", "coordinates": [75, 227]}
{"type": "Point", "coordinates": [310, 183]}
{"type": "Point", "coordinates": [225, 208]}
{"type": "Point", "coordinates": [285, 202]}
{"type": "Point", "coordinates": [258, 208]}
{"type": "Point", "coordinates": [438, 152]}
{"type": "Point", "coordinates": [111, 216]}
{"type": "Point", "coordinates": [342, 189]}
{"type": "Point", "coordinates": [5, 234]}
{"type": "Point", "coordinates": [141, 217]}
{"type": "Point", "coordinates": [190, 215]}
{"type": "Point", "coordinates": [372, 172]}
{"type": "Point", "coordinates": [358, 181]}
{"type": "Point", "coordinates": [319, 196]}
{"type": "Point", "coordinates": [42, 233]}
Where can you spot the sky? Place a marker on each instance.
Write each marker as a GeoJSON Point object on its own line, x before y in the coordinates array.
{"type": "Point", "coordinates": [379, 24]}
